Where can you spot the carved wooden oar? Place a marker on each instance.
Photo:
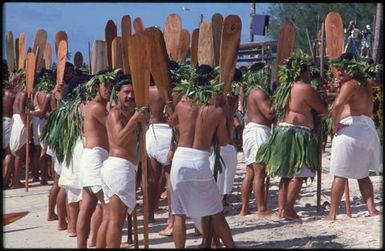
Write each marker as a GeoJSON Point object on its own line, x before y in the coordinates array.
{"type": "Point", "coordinates": [10, 52]}
{"type": "Point", "coordinates": [334, 33]}
{"type": "Point", "coordinates": [48, 56]}
{"type": "Point", "coordinates": [172, 34]}
{"type": "Point", "coordinates": [141, 82]}
{"type": "Point", "coordinates": [40, 42]}
{"type": "Point", "coordinates": [138, 25]}
{"type": "Point", "coordinates": [12, 217]}
{"type": "Point", "coordinates": [286, 42]}
{"type": "Point", "coordinates": [17, 52]}
{"type": "Point", "coordinates": [217, 21]}
{"type": "Point", "coordinates": [29, 76]}
{"type": "Point", "coordinates": [206, 44]}
{"type": "Point", "coordinates": [116, 50]}
{"type": "Point", "coordinates": [60, 35]}
{"type": "Point", "coordinates": [78, 60]}
{"type": "Point", "coordinates": [184, 45]}
{"type": "Point", "coordinates": [194, 47]}
{"type": "Point", "coordinates": [99, 59]}
{"type": "Point", "coordinates": [110, 34]}
{"type": "Point", "coordinates": [22, 52]}
{"type": "Point", "coordinates": [126, 32]}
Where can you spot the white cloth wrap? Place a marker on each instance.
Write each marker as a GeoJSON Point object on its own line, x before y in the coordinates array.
{"type": "Point", "coordinates": [69, 177]}
{"type": "Point", "coordinates": [17, 139]}
{"type": "Point", "coordinates": [355, 148]}
{"type": "Point", "coordinates": [7, 128]}
{"type": "Point", "coordinates": [119, 178]}
{"type": "Point", "coordinates": [57, 165]}
{"type": "Point", "coordinates": [254, 135]}
{"type": "Point", "coordinates": [194, 191]}
{"type": "Point", "coordinates": [158, 141]}
{"type": "Point", "coordinates": [73, 195]}
{"type": "Point", "coordinates": [91, 163]}
{"type": "Point", "coordinates": [225, 179]}
{"type": "Point", "coordinates": [37, 127]}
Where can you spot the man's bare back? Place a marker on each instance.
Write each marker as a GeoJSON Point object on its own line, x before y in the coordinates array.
{"type": "Point", "coordinates": [19, 104]}
{"type": "Point", "coordinates": [303, 99]}
{"type": "Point", "coordinates": [42, 103]}
{"type": "Point", "coordinates": [156, 104]}
{"type": "Point", "coordinates": [9, 96]}
{"type": "Point", "coordinates": [95, 133]}
{"type": "Point", "coordinates": [258, 108]}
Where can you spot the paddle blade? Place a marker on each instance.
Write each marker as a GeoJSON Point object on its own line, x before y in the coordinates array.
{"type": "Point", "coordinates": [206, 44]}
{"type": "Point", "coordinates": [99, 59]}
{"type": "Point", "coordinates": [184, 45]}
{"type": "Point", "coordinates": [48, 56]}
{"type": "Point", "coordinates": [61, 62]}
{"type": "Point", "coordinates": [159, 63]}
{"type": "Point", "coordinates": [138, 25]}
{"type": "Point", "coordinates": [16, 52]}
{"type": "Point", "coordinates": [334, 35]}
{"type": "Point", "coordinates": [286, 42]}
{"type": "Point", "coordinates": [139, 68]}
{"type": "Point", "coordinates": [39, 47]}
{"type": "Point", "coordinates": [12, 217]}
{"type": "Point", "coordinates": [30, 72]}
{"type": "Point", "coordinates": [60, 35]}
{"type": "Point", "coordinates": [172, 34]}
{"type": "Point", "coordinates": [10, 52]}
{"type": "Point", "coordinates": [194, 47]}
{"type": "Point", "coordinates": [110, 34]}
{"type": "Point", "coordinates": [78, 60]}
{"type": "Point", "coordinates": [22, 51]}
{"type": "Point", "coordinates": [217, 21]}
{"type": "Point", "coordinates": [116, 49]}
{"type": "Point", "coordinates": [126, 32]}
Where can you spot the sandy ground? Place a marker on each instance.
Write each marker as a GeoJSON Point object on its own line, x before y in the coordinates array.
{"type": "Point", "coordinates": [360, 231]}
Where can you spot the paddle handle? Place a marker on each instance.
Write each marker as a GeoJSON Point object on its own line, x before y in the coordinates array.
{"type": "Point", "coordinates": [135, 221]}
{"type": "Point", "coordinates": [144, 184]}
{"type": "Point", "coordinates": [27, 148]}
{"type": "Point", "coordinates": [348, 209]}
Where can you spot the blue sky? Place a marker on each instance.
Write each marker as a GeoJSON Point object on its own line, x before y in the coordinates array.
{"type": "Point", "coordinates": [85, 22]}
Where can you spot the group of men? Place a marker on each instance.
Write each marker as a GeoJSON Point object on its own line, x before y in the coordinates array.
{"type": "Point", "coordinates": [105, 162]}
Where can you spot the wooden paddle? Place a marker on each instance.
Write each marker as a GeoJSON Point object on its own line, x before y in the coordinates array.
{"type": "Point", "coordinates": [184, 45]}
{"type": "Point", "coordinates": [48, 56]}
{"type": "Point", "coordinates": [89, 58]}
{"type": "Point", "coordinates": [334, 32]}
{"type": "Point", "coordinates": [158, 62]}
{"type": "Point", "coordinates": [217, 21]}
{"type": "Point", "coordinates": [172, 34]}
{"type": "Point", "coordinates": [138, 59]}
{"type": "Point", "coordinates": [78, 60]}
{"type": "Point", "coordinates": [10, 52]}
{"type": "Point", "coordinates": [60, 35]}
{"type": "Point", "coordinates": [138, 25]}
{"type": "Point", "coordinates": [110, 34]}
{"type": "Point", "coordinates": [126, 32]}
{"type": "Point", "coordinates": [17, 52]}
{"type": "Point", "coordinates": [230, 39]}
{"type": "Point", "coordinates": [22, 52]}
{"type": "Point", "coordinates": [286, 42]}
{"type": "Point", "coordinates": [39, 42]}
{"type": "Point", "coordinates": [99, 59]}
{"type": "Point", "coordinates": [12, 217]}
{"type": "Point", "coordinates": [116, 50]}
{"type": "Point", "coordinates": [194, 47]}
{"type": "Point", "coordinates": [29, 76]}
{"type": "Point", "coordinates": [206, 44]}
{"type": "Point", "coordinates": [61, 62]}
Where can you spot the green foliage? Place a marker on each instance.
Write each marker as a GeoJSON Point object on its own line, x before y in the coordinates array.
{"type": "Point", "coordinates": [46, 82]}
{"type": "Point", "coordinates": [311, 16]}
{"type": "Point", "coordinates": [90, 85]}
{"type": "Point", "coordinates": [182, 72]}
{"type": "Point", "coordinates": [257, 79]}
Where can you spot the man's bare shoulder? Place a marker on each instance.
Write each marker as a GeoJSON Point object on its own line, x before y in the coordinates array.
{"type": "Point", "coordinates": [94, 108]}
{"type": "Point", "coordinates": [350, 86]}
{"type": "Point", "coordinates": [257, 92]}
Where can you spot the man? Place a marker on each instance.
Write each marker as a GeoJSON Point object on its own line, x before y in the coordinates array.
{"type": "Point", "coordinates": [118, 171]}
{"type": "Point", "coordinates": [355, 146]}
{"type": "Point", "coordinates": [194, 192]}
{"type": "Point", "coordinates": [292, 151]}
{"type": "Point", "coordinates": [9, 95]}
{"type": "Point", "coordinates": [95, 152]}
{"type": "Point", "coordinates": [40, 113]}
{"type": "Point", "coordinates": [257, 130]}
{"type": "Point", "coordinates": [17, 141]}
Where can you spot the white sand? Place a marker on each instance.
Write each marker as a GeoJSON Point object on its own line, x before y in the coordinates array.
{"type": "Point", "coordinates": [360, 231]}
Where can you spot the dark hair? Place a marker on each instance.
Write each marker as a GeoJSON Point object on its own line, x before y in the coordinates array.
{"type": "Point", "coordinates": [173, 65]}
{"type": "Point", "coordinates": [201, 80]}
{"type": "Point", "coordinates": [104, 71]}
{"type": "Point", "coordinates": [204, 69]}
{"type": "Point", "coordinates": [69, 65]}
{"type": "Point", "coordinates": [237, 75]}
{"type": "Point", "coordinates": [257, 66]}
{"type": "Point", "coordinates": [121, 80]}
{"type": "Point", "coordinates": [243, 69]}
{"type": "Point", "coordinates": [348, 56]}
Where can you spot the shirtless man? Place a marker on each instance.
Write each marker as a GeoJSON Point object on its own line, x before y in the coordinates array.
{"type": "Point", "coordinates": [194, 192]}
{"type": "Point", "coordinates": [9, 95]}
{"type": "Point", "coordinates": [158, 142]}
{"type": "Point", "coordinates": [17, 141]}
{"type": "Point", "coordinates": [355, 146]}
{"type": "Point", "coordinates": [259, 115]}
{"type": "Point", "coordinates": [41, 103]}
{"type": "Point", "coordinates": [295, 123]}
{"type": "Point", "coordinates": [95, 152]}
{"type": "Point", "coordinates": [118, 171]}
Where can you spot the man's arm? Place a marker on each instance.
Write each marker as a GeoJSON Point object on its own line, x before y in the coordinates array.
{"type": "Point", "coordinates": [263, 103]}
{"type": "Point", "coordinates": [312, 99]}
{"type": "Point", "coordinates": [345, 94]}
{"type": "Point", "coordinates": [222, 133]}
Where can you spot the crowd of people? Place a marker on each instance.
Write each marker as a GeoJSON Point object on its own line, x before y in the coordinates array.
{"type": "Point", "coordinates": [191, 144]}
